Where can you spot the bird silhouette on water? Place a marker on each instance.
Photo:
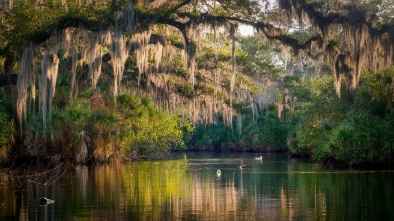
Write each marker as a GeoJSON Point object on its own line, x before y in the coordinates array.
{"type": "Point", "coordinates": [242, 166]}
{"type": "Point", "coordinates": [44, 201]}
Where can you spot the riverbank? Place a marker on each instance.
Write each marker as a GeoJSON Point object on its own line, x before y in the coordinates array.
{"type": "Point", "coordinates": [17, 159]}
{"type": "Point", "coordinates": [25, 160]}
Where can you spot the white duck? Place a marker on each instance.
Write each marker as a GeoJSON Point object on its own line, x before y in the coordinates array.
{"type": "Point", "coordinates": [218, 173]}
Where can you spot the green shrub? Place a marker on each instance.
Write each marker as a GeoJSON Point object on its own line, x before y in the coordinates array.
{"type": "Point", "coordinates": [149, 132]}
{"type": "Point", "coordinates": [356, 130]}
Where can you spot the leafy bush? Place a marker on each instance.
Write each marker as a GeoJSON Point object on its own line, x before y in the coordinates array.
{"type": "Point", "coordinates": [150, 132]}
{"type": "Point", "coordinates": [355, 130]}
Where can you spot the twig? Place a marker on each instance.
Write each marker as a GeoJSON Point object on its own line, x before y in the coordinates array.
{"type": "Point", "coordinates": [51, 179]}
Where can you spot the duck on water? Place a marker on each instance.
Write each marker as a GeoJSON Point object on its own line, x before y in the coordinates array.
{"type": "Point", "coordinates": [44, 201]}
{"type": "Point", "coordinates": [218, 173]}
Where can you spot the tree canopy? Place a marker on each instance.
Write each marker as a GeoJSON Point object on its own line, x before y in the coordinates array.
{"type": "Point", "coordinates": [352, 35]}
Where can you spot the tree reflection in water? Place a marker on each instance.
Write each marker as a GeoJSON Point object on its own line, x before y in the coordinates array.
{"type": "Point", "coordinates": [189, 189]}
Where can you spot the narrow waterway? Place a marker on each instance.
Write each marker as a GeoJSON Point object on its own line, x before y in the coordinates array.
{"type": "Point", "coordinates": [187, 187]}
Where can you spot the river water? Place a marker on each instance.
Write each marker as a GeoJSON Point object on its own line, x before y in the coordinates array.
{"type": "Point", "coordinates": [187, 187]}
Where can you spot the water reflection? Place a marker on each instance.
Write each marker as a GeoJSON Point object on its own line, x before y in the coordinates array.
{"type": "Point", "coordinates": [82, 176]}
{"type": "Point", "coordinates": [189, 188]}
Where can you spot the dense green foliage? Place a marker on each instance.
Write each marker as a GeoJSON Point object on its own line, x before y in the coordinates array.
{"type": "Point", "coordinates": [355, 130]}
{"type": "Point", "coordinates": [264, 134]}
{"type": "Point", "coordinates": [6, 126]}
{"type": "Point", "coordinates": [149, 131]}
{"type": "Point", "coordinates": [134, 129]}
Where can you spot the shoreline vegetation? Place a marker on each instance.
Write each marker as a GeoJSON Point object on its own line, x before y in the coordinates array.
{"type": "Point", "coordinates": [322, 129]}
{"type": "Point", "coordinates": [102, 81]}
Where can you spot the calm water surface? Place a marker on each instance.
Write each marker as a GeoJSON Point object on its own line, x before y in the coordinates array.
{"type": "Point", "coordinates": [186, 187]}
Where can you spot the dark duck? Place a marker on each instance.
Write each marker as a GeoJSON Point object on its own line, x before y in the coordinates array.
{"type": "Point", "coordinates": [44, 201]}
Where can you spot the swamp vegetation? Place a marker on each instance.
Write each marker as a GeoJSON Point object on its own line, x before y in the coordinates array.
{"type": "Point", "coordinates": [95, 81]}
